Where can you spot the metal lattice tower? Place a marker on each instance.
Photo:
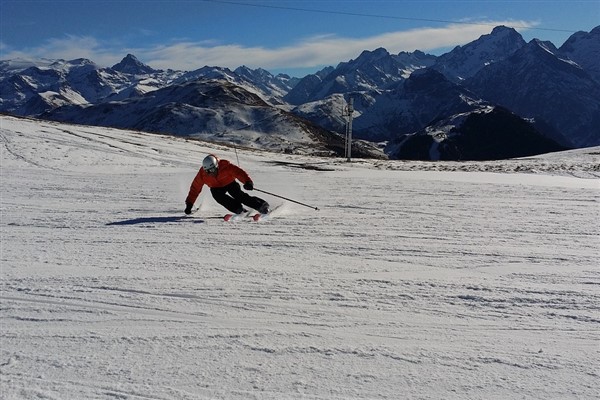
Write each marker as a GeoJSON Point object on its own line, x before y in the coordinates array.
{"type": "Point", "coordinates": [349, 112]}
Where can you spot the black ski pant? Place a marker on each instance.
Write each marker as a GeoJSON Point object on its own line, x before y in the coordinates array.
{"type": "Point", "coordinates": [232, 197]}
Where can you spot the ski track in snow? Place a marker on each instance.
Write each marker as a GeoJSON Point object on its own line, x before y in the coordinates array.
{"type": "Point", "coordinates": [414, 280]}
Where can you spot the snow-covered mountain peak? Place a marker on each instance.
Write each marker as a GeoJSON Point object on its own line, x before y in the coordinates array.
{"type": "Point", "coordinates": [66, 66]}
{"type": "Point", "coordinates": [537, 50]}
{"type": "Point", "coordinates": [78, 62]}
{"type": "Point", "coordinates": [371, 71]}
{"type": "Point", "coordinates": [547, 46]}
{"type": "Point", "coordinates": [502, 30]}
{"type": "Point", "coordinates": [584, 49]}
{"type": "Point", "coordinates": [540, 83]}
{"type": "Point", "coordinates": [254, 73]}
{"type": "Point", "coordinates": [271, 88]}
{"type": "Point", "coordinates": [131, 65]}
{"type": "Point", "coordinates": [465, 61]}
{"type": "Point", "coordinates": [373, 55]}
{"type": "Point", "coordinates": [366, 58]}
{"type": "Point", "coordinates": [17, 65]}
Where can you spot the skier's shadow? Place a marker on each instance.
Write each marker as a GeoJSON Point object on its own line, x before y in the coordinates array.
{"type": "Point", "coordinates": [155, 220]}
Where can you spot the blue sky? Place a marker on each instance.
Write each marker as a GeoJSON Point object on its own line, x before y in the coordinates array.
{"type": "Point", "coordinates": [295, 37]}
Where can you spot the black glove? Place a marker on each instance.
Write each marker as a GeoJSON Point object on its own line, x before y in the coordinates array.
{"type": "Point", "coordinates": [188, 208]}
{"type": "Point", "coordinates": [249, 185]}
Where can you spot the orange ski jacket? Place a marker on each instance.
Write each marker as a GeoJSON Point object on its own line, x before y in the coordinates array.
{"type": "Point", "coordinates": [226, 174]}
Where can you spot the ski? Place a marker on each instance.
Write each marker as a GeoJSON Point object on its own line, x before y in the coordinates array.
{"type": "Point", "coordinates": [254, 217]}
{"type": "Point", "coordinates": [232, 217]}
{"type": "Point", "coordinates": [237, 217]}
{"type": "Point", "coordinates": [262, 217]}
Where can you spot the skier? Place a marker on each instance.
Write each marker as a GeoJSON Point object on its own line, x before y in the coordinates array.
{"type": "Point", "coordinates": [220, 176]}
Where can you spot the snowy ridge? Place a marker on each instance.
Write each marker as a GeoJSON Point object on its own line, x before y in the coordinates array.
{"type": "Point", "coordinates": [412, 281]}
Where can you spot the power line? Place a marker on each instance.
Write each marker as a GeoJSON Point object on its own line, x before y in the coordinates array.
{"type": "Point", "coordinates": [376, 15]}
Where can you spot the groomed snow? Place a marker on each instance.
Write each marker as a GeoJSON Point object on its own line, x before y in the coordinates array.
{"type": "Point", "coordinates": [413, 280]}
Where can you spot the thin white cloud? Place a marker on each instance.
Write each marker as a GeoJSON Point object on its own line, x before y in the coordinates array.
{"type": "Point", "coordinates": [318, 50]}
{"type": "Point", "coordinates": [309, 52]}
{"type": "Point", "coordinates": [67, 48]}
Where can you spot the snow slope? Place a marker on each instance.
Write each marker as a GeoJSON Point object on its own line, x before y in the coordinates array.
{"type": "Point", "coordinates": [414, 280]}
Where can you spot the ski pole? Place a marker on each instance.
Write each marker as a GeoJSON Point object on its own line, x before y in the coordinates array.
{"type": "Point", "coordinates": [236, 155]}
{"type": "Point", "coordinates": [285, 198]}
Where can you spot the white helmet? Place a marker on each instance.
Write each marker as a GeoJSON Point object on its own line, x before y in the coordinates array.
{"type": "Point", "coordinates": [210, 164]}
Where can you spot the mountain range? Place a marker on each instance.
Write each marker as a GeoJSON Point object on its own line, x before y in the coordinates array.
{"type": "Point", "coordinates": [496, 97]}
